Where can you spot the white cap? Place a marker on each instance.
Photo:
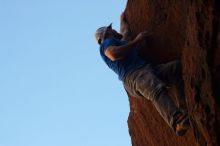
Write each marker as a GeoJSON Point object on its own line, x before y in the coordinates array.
{"type": "Point", "coordinates": [100, 33]}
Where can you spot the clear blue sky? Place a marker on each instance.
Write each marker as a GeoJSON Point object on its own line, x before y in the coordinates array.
{"type": "Point", "coordinates": [55, 90]}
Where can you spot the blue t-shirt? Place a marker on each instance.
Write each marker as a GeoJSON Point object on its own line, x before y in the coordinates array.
{"type": "Point", "coordinates": [122, 66]}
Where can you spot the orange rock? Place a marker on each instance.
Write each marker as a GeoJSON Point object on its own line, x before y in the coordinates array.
{"type": "Point", "coordinates": [189, 30]}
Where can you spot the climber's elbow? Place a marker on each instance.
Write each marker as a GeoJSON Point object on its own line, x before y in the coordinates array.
{"type": "Point", "coordinates": [113, 53]}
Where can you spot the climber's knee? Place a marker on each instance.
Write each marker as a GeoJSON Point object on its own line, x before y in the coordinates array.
{"type": "Point", "coordinates": [155, 92]}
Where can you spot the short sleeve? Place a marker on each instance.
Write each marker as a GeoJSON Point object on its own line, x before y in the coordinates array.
{"type": "Point", "coordinates": [109, 42]}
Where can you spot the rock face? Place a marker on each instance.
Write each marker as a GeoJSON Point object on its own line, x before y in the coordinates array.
{"type": "Point", "coordinates": [188, 30]}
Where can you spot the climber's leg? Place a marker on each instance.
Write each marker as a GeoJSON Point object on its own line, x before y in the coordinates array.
{"type": "Point", "coordinates": [178, 120]}
{"type": "Point", "coordinates": [143, 83]}
{"type": "Point", "coordinates": [171, 73]}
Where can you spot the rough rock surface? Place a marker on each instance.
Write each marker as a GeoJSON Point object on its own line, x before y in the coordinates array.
{"type": "Point", "coordinates": [188, 30]}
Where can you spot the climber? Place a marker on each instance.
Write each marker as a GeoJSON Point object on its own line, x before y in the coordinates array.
{"type": "Point", "coordinates": [141, 78]}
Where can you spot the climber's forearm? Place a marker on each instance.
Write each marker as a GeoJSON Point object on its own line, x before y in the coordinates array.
{"type": "Point", "coordinates": [118, 52]}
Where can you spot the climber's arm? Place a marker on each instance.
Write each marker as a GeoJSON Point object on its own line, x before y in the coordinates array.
{"type": "Point", "coordinates": [124, 28]}
{"type": "Point", "coordinates": [118, 52]}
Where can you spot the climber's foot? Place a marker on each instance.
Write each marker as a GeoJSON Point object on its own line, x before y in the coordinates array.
{"type": "Point", "coordinates": [182, 125]}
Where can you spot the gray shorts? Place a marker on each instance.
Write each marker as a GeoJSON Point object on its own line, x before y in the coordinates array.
{"type": "Point", "coordinates": [149, 81]}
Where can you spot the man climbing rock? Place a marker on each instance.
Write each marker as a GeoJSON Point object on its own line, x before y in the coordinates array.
{"type": "Point", "coordinates": [141, 78]}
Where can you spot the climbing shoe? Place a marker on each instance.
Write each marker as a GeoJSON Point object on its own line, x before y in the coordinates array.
{"type": "Point", "coordinates": [182, 124]}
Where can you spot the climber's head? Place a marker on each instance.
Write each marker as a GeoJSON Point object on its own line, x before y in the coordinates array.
{"type": "Point", "coordinates": [106, 32]}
